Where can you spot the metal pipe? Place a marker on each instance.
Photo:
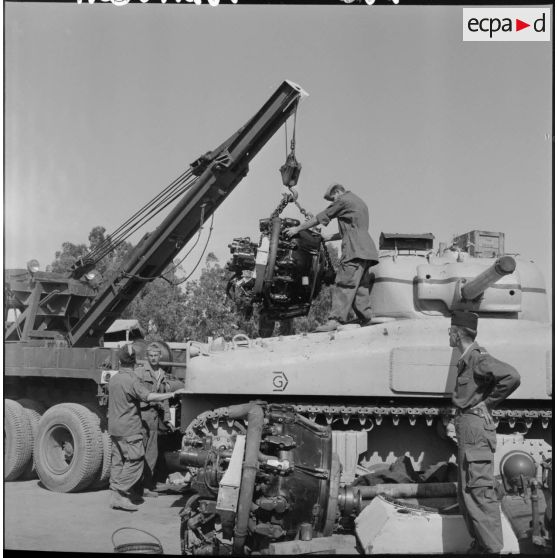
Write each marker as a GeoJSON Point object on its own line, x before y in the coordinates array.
{"type": "Point", "coordinates": [476, 286]}
{"type": "Point", "coordinates": [255, 416]}
{"type": "Point", "coordinates": [273, 242]}
{"type": "Point", "coordinates": [409, 490]}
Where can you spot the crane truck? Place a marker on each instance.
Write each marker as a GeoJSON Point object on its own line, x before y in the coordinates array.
{"type": "Point", "coordinates": [55, 367]}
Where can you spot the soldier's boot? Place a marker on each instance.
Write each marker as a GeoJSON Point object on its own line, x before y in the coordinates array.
{"type": "Point", "coordinates": [119, 502]}
{"type": "Point", "coordinates": [330, 325]}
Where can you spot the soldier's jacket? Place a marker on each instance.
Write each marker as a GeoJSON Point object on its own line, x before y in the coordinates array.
{"type": "Point", "coordinates": [481, 377]}
{"type": "Point", "coordinates": [125, 396]}
{"type": "Point", "coordinates": [153, 380]}
{"type": "Point", "coordinates": [156, 381]}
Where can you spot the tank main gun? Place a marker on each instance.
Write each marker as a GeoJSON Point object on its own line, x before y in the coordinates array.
{"type": "Point", "coordinates": [473, 288]}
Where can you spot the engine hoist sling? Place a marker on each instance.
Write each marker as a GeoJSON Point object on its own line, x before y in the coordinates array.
{"type": "Point", "coordinates": [282, 275]}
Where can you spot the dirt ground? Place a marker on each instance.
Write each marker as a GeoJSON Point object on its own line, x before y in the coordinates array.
{"type": "Point", "coordinates": [36, 519]}
{"type": "Point", "coordinates": [39, 520]}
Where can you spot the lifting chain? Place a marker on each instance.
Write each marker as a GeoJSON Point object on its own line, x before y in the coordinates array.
{"type": "Point", "coordinates": [288, 198]}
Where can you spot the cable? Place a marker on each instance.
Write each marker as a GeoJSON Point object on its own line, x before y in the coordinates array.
{"type": "Point", "coordinates": [200, 259]}
{"type": "Point", "coordinates": [113, 242]}
{"type": "Point", "coordinates": [176, 265]}
{"type": "Point", "coordinates": [176, 189]}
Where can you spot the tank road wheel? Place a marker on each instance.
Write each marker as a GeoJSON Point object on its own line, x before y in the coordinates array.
{"type": "Point", "coordinates": [18, 440]}
{"type": "Point", "coordinates": [33, 409]}
{"type": "Point", "coordinates": [68, 448]}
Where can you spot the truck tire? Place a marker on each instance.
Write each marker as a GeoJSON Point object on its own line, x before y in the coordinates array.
{"type": "Point", "coordinates": [104, 475]}
{"type": "Point", "coordinates": [33, 409]}
{"type": "Point", "coordinates": [68, 448]}
{"type": "Point", "coordinates": [18, 440]}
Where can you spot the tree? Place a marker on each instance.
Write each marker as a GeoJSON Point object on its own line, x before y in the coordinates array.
{"type": "Point", "coordinates": [209, 312]}
{"type": "Point", "coordinates": [160, 308]}
{"type": "Point", "coordinates": [70, 253]}
{"type": "Point", "coordinates": [65, 258]}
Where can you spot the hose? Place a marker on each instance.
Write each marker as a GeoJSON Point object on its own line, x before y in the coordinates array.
{"type": "Point", "coordinates": [255, 416]}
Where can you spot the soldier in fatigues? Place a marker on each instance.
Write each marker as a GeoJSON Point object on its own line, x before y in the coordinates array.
{"type": "Point", "coordinates": [153, 377]}
{"type": "Point", "coordinates": [353, 281]}
{"type": "Point", "coordinates": [125, 429]}
{"type": "Point", "coordinates": [482, 383]}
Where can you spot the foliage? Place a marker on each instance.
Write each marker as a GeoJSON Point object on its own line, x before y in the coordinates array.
{"type": "Point", "coordinates": [70, 253]}
{"type": "Point", "coordinates": [65, 258]}
{"type": "Point", "coordinates": [209, 312]}
{"type": "Point", "coordinates": [160, 308]}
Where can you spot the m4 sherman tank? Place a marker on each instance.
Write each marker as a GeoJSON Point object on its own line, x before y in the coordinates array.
{"type": "Point", "coordinates": [329, 406]}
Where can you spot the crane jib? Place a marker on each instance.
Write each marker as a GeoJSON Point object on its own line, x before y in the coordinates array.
{"type": "Point", "coordinates": [220, 171]}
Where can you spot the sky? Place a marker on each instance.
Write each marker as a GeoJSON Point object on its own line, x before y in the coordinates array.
{"type": "Point", "coordinates": [105, 105]}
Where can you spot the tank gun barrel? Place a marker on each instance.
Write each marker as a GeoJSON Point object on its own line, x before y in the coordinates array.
{"type": "Point", "coordinates": [476, 286]}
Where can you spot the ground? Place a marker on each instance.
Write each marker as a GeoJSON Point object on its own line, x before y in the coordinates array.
{"type": "Point", "coordinates": [36, 519]}
{"type": "Point", "coordinates": [39, 520]}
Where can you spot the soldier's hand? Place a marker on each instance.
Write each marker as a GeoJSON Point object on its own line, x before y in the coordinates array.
{"type": "Point", "coordinates": [291, 231]}
{"type": "Point", "coordinates": [451, 432]}
{"type": "Point", "coordinates": [485, 413]}
{"type": "Point", "coordinates": [181, 391]}
{"type": "Point", "coordinates": [169, 425]}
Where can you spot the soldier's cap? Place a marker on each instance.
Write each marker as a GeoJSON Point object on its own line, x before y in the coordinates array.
{"type": "Point", "coordinates": [127, 354]}
{"type": "Point", "coordinates": [154, 348]}
{"type": "Point", "coordinates": [465, 319]}
{"type": "Point", "coordinates": [330, 188]}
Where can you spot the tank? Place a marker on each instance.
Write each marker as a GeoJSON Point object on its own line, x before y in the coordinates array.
{"type": "Point", "coordinates": [367, 396]}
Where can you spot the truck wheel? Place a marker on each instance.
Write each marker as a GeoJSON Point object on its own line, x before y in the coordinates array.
{"type": "Point", "coordinates": [104, 476]}
{"type": "Point", "coordinates": [68, 448]}
{"type": "Point", "coordinates": [18, 440]}
{"type": "Point", "coordinates": [33, 409]}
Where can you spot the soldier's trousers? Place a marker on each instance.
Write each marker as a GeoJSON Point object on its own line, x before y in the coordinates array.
{"type": "Point", "coordinates": [150, 423]}
{"type": "Point", "coordinates": [476, 442]}
{"type": "Point", "coordinates": [127, 460]}
{"type": "Point", "coordinates": [353, 283]}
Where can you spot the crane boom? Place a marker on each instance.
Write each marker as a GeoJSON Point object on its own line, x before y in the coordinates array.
{"type": "Point", "coordinates": [219, 172]}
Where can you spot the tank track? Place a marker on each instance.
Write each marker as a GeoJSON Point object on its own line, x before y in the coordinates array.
{"type": "Point", "coordinates": [368, 417]}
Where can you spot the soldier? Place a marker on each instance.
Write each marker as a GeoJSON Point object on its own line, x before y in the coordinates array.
{"type": "Point", "coordinates": [353, 281]}
{"type": "Point", "coordinates": [482, 383]}
{"type": "Point", "coordinates": [125, 429]}
{"type": "Point", "coordinates": [153, 377]}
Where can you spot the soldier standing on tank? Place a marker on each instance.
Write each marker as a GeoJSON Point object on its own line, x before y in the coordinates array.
{"type": "Point", "coordinates": [353, 281]}
{"type": "Point", "coordinates": [125, 429]}
{"type": "Point", "coordinates": [153, 377]}
{"type": "Point", "coordinates": [482, 383]}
